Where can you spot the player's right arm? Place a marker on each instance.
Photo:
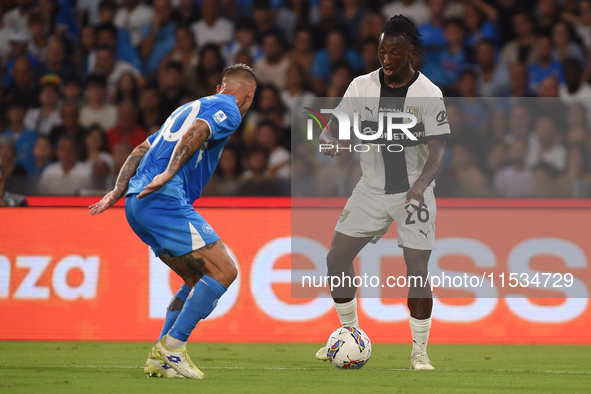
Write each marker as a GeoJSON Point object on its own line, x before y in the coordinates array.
{"type": "Point", "coordinates": [329, 141]}
{"type": "Point", "coordinates": [127, 172]}
{"type": "Point", "coordinates": [189, 143]}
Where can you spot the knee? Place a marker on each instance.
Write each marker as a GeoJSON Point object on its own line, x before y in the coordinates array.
{"type": "Point", "coordinates": [336, 262]}
{"type": "Point", "coordinates": [228, 273]}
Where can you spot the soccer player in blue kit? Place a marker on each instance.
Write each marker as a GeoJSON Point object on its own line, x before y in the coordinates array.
{"type": "Point", "coordinates": [162, 178]}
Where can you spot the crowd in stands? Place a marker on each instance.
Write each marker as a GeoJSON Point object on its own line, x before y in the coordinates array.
{"type": "Point", "coordinates": [85, 81]}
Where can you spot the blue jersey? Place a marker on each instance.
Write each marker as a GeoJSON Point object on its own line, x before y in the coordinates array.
{"type": "Point", "coordinates": [222, 115]}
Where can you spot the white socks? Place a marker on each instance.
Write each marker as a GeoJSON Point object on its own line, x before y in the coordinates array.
{"type": "Point", "coordinates": [348, 313]}
{"type": "Point", "coordinates": [420, 334]}
{"type": "Point", "coordinates": [173, 343]}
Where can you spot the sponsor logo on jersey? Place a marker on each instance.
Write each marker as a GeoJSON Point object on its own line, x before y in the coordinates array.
{"type": "Point", "coordinates": [220, 116]}
{"type": "Point", "coordinates": [441, 118]}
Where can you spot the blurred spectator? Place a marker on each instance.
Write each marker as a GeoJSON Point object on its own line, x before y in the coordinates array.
{"type": "Point", "coordinates": [493, 78]}
{"type": "Point", "coordinates": [521, 49]}
{"type": "Point", "coordinates": [127, 89]}
{"type": "Point", "coordinates": [83, 49]}
{"type": "Point", "coordinates": [19, 42]}
{"type": "Point", "coordinates": [70, 126]}
{"type": "Point", "coordinates": [339, 177]}
{"type": "Point", "coordinates": [272, 67]}
{"type": "Point", "coordinates": [46, 117]}
{"type": "Point", "coordinates": [14, 173]}
{"type": "Point", "coordinates": [351, 17]}
{"type": "Point", "coordinates": [336, 50]}
{"type": "Point", "coordinates": [520, 81]}
{"type": "Point", "coordinates": [294, 13]}
{"type": "Point", "coordinates": [244, 57]}
{"type": "Point", "coordinates": [302, 52]}
{"type": "Point", "coordinates": [296, 93]}
{"type": "Point", "coordinates": [340, 77]}
{"type": "Point", "coordinates": [23, 138]}
{"type": "Point", "coordinates": [328, 21]}
{"type": "Point", "coordinates": [226, 178]}
{"type": "Point", "coordinates": [279, 158]}
{"type": "Point", "coordinates": [8, 199]}
{"type": "Point", "coordinates": [581, 21]}
{"type": "Point", "coordinates": [18, 17]}
{"type": "Point", "coordinates": [564, 45]}
{"type": "Point", "coordinates": [545, 181]}
{"type": "Point", "coordinates": [575, 182]}
{"type": "Point", "coordinates": [519, 125]}
{"type": "Point", "coordinates": [158, 37]}
{"type": "Point", "coordinates": [133, 17]}
{"type": "Point", "coordinates": [127, 129]}
{"type": "Point", "coordinates": [212, 28]}
{"type": "Point", "coordinates": [96, 153]}
{"type": "Point", "coordinates": [57, 62]}
{"type": "Point", "coordinates": [516, 180]}
{"type": "Point", "coordinates": [415, 10]}
{"type": "Point", "coordinates": [172, 89]}
{"type": "Point", "coordinates": [203, 79]}
{"type": "Point", "coordinates": [88, 11]}
{"type": "Point", "coordinates": [113, 70]}
{"type": "Point", "coordinates": [302, 179]}
{"type": "Point", "coordinates": [149, 105]}
{"type": "Point", "coordinates": [184, 50]}
{"type": "Point", "coordinates": [371, 26]}
{"type": "Point", "coordinates": [369, 48]}
{"type": "Point", "coordinates": [544, 66]}
{"type": "Point", "coordinates": [4, 37]}
{"type": "Point", "coordinates": [72, 89]}
{"type": "Point", "coordinates": [546, 13]}
{"type": "Point", "coordinates": [67, 176]}
{"type": "Point", "coordinates": [256, 181]}
{"type": "Point", "coordinates": [268, 99]}
{"type": "Point", "coordinates": [244, 39]}
{"type": "Point", "coordinates": [577, 116]}
{"type": "Point", "coordinates": [433, 35]}
{"type": "Point", "coordinates": [108, 36]}
{"type": "Point", "coordinates": [464, 178]}
{"type": "Point", "coordinates": [186, 13]}
{"type": "Point", "coordinates": [38, 41]}
{"type": "Point", "coordinates": [481, 20]}
{"type": "Point", "coordinates": [454, 58]}
{"type": "Point", "coordinates": [43, 153]}
{"type": "Point", "coordinates": [574, 89]}
{"type": "Point", "coordinates": [97, 110]}
{"type": "Point", "coordinates": [265, 19]}
{"type": "Point", "coordinates": [546, 147]}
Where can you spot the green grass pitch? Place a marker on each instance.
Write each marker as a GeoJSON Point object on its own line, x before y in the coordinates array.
{"type": "Point", "coordinates": [98, 367]}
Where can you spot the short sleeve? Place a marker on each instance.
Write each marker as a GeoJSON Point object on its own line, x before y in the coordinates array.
{"type": "Point", "coordinates": [350, 101]}
{"type": "Point", "coordinates": [223, 118]}
{"type": "Point", "coordinates": [435, 119]}
{"type": "Point", "coordinates": [152, 137]}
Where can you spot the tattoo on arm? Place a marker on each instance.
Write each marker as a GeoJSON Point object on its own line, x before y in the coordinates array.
{"type": "Point", "coordinates": [189, 144]}
{"type": "Point", "coordinates": [211, 245]}
{"type": "Point", "coordinates": [129, 168]}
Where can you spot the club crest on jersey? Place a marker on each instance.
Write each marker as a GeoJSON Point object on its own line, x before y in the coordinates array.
{"type": "Point", "coordinates": [413, 110]}
{"type": "Point", "coordinates": [343, 216]}
{"type": "Point", "coordinates": [220, 116]}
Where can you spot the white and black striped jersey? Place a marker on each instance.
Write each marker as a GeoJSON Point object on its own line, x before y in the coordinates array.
{"type": "Point", "coordinates": [387, 171]}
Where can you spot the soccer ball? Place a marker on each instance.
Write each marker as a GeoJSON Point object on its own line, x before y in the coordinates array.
{"type": "Point", "coordinates": [348, 348]}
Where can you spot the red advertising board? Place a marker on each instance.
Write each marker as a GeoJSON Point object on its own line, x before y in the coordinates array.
{"type": "Point", "coordinates": [65, 275]}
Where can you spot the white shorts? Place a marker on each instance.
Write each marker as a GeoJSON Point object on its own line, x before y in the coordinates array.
{"type": "Point", "coordinates": [368, 214]}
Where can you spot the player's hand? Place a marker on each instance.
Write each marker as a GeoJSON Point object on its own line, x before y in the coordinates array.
{"type": "Point", "coordinates": [107, 202]}
{"type": "Point", "coordinates": [415, 199]}
{"type": "Point", "coordinates": [335, 148]}
{"type": "Point", "coordinates": [157, 183]}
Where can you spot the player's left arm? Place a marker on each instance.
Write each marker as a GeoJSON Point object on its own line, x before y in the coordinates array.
{"type": "Point", "coordinates": [125, 174]}
{"type": "Point", "coordinates": [189, 143]}
{"type": "Point", "coordinates": [432, 168]}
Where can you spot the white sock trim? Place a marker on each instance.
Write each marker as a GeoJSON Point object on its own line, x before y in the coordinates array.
{"type": "Point", "coordinates": [420, 334]}
{"type": "Point", "coordinates": [174, 343]}
{"type": "Point", "coordinates": [348, 313]}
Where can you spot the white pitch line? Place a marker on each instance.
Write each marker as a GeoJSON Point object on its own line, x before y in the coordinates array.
{"type": "Point", "coordinates": [291, 368]}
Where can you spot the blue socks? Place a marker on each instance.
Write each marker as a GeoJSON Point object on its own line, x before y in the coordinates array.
{"type": "Point", "coordinates": [174, 309]}
{"type": "Point", "coordinates": [206, 294]}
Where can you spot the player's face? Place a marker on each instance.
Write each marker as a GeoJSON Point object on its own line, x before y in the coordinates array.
{"type": "Point", "coordinates": [394, 53]}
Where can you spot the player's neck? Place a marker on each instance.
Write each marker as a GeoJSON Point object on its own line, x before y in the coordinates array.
{"type": "Point", "coordinates": [401, 79]}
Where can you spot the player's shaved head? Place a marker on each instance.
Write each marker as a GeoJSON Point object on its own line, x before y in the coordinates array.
{"type": "Point", "coordinates": [237, 74]}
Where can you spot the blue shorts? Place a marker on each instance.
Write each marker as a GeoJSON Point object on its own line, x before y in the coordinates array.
{"type": "Point", "coordinates": [168, 225]}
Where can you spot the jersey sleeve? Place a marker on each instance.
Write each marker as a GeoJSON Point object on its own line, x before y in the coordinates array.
{"type": "Point", "coordinates": [222, 119]}
{"type": "Point", "coordinates": [435, 119]}
{"type": "Point", "coordinates": [152, 137]}
{"type": "Point", "coordinates": [350, 101]}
